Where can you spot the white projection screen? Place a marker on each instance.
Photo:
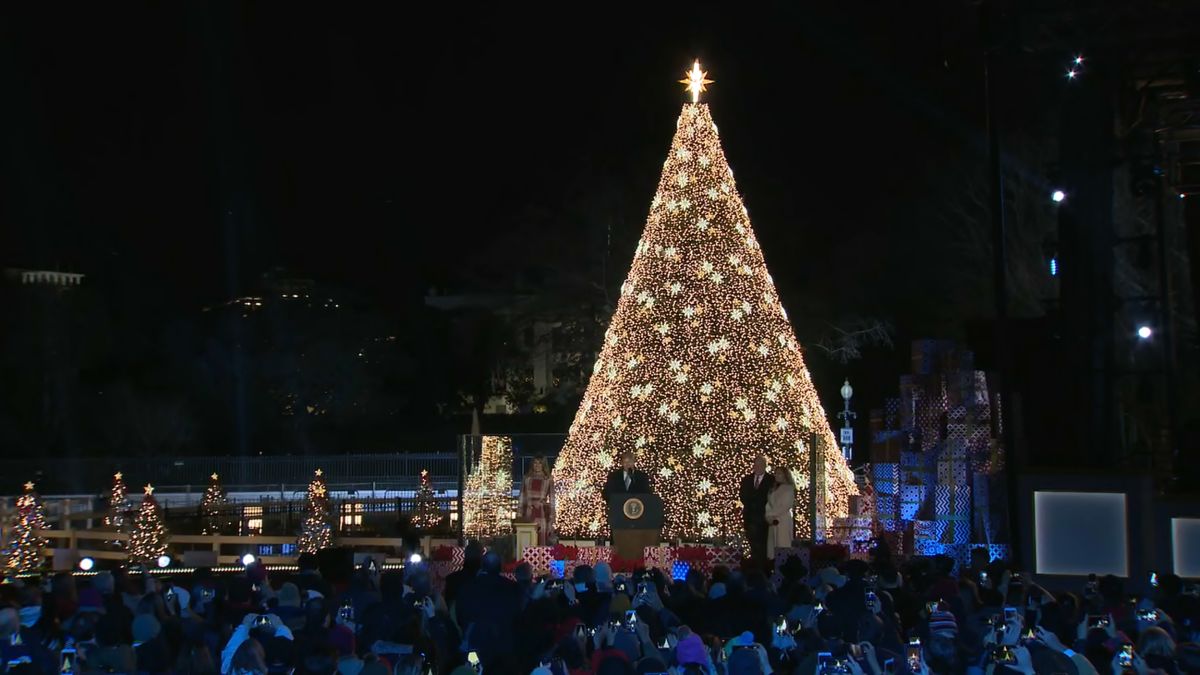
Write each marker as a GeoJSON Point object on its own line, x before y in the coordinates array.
{"type": "Point", "coordinates": [1081, 533]}
{"type": "Point", "coordinates": [1185, 546]}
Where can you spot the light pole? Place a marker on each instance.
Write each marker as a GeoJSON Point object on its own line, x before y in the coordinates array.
{"type": "Point", "coordinates": [847, 415]}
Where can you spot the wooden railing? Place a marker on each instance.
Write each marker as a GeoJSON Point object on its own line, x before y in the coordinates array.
{"type": "Point", "coordinates": [79, 544]}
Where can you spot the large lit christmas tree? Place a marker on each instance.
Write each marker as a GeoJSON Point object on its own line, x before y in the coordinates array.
{"type": "Point", "coordinates": [316, 532]}
{"type": "Point", "coordinates": [212, 506]}
{"type": "Point", "coordinates": [148, 540]}
{"type": "Point", "coordinates": [700, 370]}
{"type": "Point", "coordinates": [25, 543]}
{"type": "Point", "coordinates": [118, 505]}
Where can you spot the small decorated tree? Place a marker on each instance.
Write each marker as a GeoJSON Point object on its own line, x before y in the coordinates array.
{"type": "Point", "coordinates": [148, 540]}
{"type": "Point", "coordinates": [316, 532]}
{"type": "Point", "coordinates": [212, 506]}
{"type": "Point", "coordinates": [428, 514]}
{"type": "Point", "coordinates": [118, 505]}
{"type": "Point", "coordinates": [24, 553]}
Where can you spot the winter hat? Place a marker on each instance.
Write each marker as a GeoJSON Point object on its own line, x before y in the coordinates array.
{"type": "Point", "coordinates": [145, 628]}
{"type": "Point", "coordinates": [627, 643]}
{"type": "Point", "coordinates": [375, 667]}
{"type": "Point", "coordinates": [257, 573]}
{"type": "Point", "coordinates": [90, 601]}
{"type": "Point", "coordinates": [943, 623]}
{"type": "Point", "coordinates": [341, 639]}
{"type": "Point", "coordinates": [350, 665]}
{"type": "Point", "coordinates": [716, 591]}
{"type": "Point", "coordinates": [830, 576]}
{"type": "Point", "coordinates": [746, 638]}
{"type": "Point", "coordinates": [289, 595]}
{"type": "Point", "coordinates": [691, 649]}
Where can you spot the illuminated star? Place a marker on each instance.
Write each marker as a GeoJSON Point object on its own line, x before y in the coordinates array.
{"type": "Point", "coordinates": [214, 476]}
{"type": "Point", "coordinates": [149, 489]}
{"type": "Point", "coordinates": [318, 472]}
{"type": "Point", "coordinates": [117, 475]}
{"type": "Point", "coordinates": [29, 486]}
{"type": "Point", "coordinates": [696, 80]}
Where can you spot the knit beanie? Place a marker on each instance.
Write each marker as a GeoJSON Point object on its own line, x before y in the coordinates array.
{"type": "Point", "coordinates": [691, 649]}
{"type": "Point", "coordinates": [145, 628]}
{"type": "Point", "coordinates": [943, 623]}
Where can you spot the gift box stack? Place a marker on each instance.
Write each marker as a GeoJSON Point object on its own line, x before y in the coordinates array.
{"type": "Point", "coordinates": [933, 456]}
{"type": "Point", "coordinates": [444, 561]}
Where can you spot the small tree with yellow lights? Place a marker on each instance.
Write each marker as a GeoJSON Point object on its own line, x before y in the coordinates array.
{"type": "Point", "coordinates": [428, 514]}
{"type": "Point", "coordinates": [487, 497]}
{"type": "Point", "coordinates": [212, 506]}
{"type": "Point", "coordinates": [315, 532]}
{"type": "Point", "coordinates": [148, 540]}
{"type": "Point", "coordinates": [700, 370]}
{"type": "Point", "coordinates": [118, 506]}
{"type": "Point", "coordinates": [25, 544]}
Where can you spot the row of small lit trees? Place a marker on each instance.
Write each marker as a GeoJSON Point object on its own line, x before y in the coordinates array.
{"type": "Point", "coordinates": [148, 533]}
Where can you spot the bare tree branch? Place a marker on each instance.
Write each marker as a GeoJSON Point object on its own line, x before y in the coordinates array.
{"type": "Point", "coordinates": [844, 343]}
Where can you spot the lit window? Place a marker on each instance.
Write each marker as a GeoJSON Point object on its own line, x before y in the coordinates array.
{"type": "Point", "coordinates": [254, 521]}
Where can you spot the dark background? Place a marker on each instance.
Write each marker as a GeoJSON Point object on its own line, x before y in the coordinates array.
{"type": "Point", "coordinates": [174, 153]}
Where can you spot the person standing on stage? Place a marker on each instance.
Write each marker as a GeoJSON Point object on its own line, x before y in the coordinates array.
{"type": "Point", "coordinates": [537, 499]}
{"type": "Point", "coordinates": [781, 523]}
{"type": "Point", "coordinates": [626, 480]}
{"type": "Point", "coordinates": [755, 490]}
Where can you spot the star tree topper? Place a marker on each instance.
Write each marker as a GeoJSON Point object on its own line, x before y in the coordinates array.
{"type": "Point", "coordinates": [696, 81]}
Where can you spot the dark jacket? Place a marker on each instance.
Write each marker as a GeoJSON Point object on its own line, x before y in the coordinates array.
{"type": "Point", "coordinates": [754, 500]}
{"type": "Point", "coordinates": [487, 609]}
{"type": "Point", "coordinates": [639, 483]}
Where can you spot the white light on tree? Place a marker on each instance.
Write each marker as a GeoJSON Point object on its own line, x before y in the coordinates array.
{"type": "Point", "coordinates": [726, 379]}
{"type": "Point", "coordinates": [1058, 196]}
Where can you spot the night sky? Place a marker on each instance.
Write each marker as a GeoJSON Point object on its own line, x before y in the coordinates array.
{"type": "Point", "coordinates": [174, 152]}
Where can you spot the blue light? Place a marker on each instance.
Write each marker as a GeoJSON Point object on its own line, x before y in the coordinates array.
{"type": "Point", "coordinates": [679, 570]}
{"type": "Point", "coordinates": [1054, 267]}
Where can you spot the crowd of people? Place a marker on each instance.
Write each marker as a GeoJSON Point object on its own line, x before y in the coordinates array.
{"type": "Point", "coordinates": [881, 616]}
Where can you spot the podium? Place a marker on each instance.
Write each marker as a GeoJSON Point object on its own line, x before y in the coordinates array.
{"type": "Point", "coordinates": [636, 522]}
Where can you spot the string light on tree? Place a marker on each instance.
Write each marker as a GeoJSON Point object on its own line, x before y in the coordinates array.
{"type": "Point", "coordinates": [25, 541]}
{"type": "Point", "coordinates": [487, 497]}
{"type": "Point", "coordinates": [213, 506]}
{"type": "Point", "coordinates": [428, 514]}
{"type": "Point", "coordinates": [118, 506]}
{"type": "Point", "coordinates": [731, 338]}
{"type": "Point", "coordinates": [148, 541]}
{"type": "Point", "coordinates": [316, 533]}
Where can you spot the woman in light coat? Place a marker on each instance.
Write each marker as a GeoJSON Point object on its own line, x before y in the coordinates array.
{"type": "Point", "coordinates": [781, 503]}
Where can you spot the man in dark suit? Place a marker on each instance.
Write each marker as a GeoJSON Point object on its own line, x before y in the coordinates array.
{"type": "Point", "coordinates": [753, 493]}
{"type": "Point", "coordinates": [629, 480]}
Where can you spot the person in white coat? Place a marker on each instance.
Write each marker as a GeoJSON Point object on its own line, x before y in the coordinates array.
{"type": "Point", "coordinates": [781, 503]}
